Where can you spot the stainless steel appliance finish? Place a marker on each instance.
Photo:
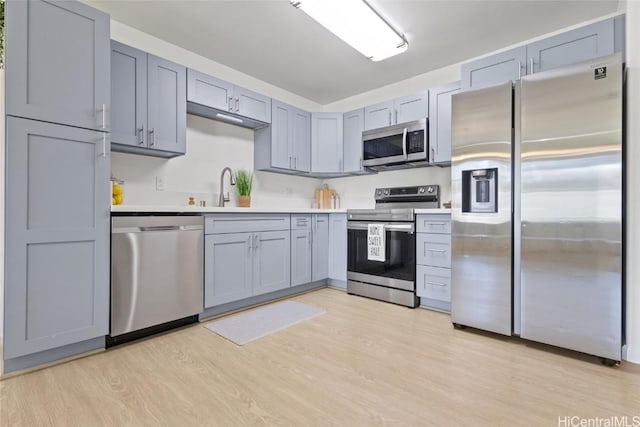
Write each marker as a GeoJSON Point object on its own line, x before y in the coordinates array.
{"type": "Point", "coordinates": [394, 279]}
{"type": "Point", "coordinates": [156, 270]}
{"type": "Point", "coordinates": [565, 223]}
{"type": "Point", "coordinates": [571, 209]}
{"type": "Point", "coordinates": [404, 143]}
{"type": "Point", "coordinates": [481, 241]}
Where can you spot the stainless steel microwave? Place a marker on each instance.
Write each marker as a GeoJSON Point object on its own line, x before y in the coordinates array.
{"type": "Point", "coordinates": [398, 144]}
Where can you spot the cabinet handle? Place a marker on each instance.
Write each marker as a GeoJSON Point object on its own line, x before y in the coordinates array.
{"type": "Point", "coordinates": [389, 116]}
{"type": "Point", "coordinates": [295, 163]}
{"type": "Point", "coordinates": [237, 104]}
{"type": "Point", "coordinates": [104, 145]}
{"type": "Point", "coordinates": [310, 239]}
{"type": "Point", "coordinates": [396, 116]}
{"type": "Point", "coordinates": [531, 62]}
{"type": "Point", "coordinates": [361, 164]}
{"type": "Point", "coordinates": [249, 243]}
{"type": "Point", "coordinates": [104, 116]}
{"type": "Point", "coordinates": [437, 284]}
{"type": "Point", "coordinates": [519, 70]}
{"type": "Point", "coordinates": [152, 134]}
{"type": "Point", "coordinates": [440, 224]}
{"type": "Point", "coordinates": [141, 135]}
{"type": "Point", "coordinates": [290, 167]}
{"type": "Point", "coordinates": [439, 251]}
{"type": "Point", "coordinates": [433, 155]}
{"type": "Point", "coordinates": [339, 165]}
{"type": "Point", "coordinates": [256, 242]}
{"type": "Point", "coordinates": [230, 104]}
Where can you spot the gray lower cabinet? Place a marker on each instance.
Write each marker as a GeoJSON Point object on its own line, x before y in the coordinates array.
{"type": "Point", "coordinates": [57, 236]}
{"type": "Point", "coordinates": [217, 99]}
{"type": "Point", "coordinates": [300, 249]}
{"type": "Point", "coordinates": [285, 145]}
{"type": "Point", "coordinates": [245, 255]}
{"type": "Point", "coordinates": [149, 103]}
{"type": "Point", "coordinates": [57, 63]}
{"type": "Point", "coordinates": [433, 260]}
{"type": "Point", "coordinates": [440, 123]}
{"type": "Point", "coordinates": [338, 249]}
{"type": "Point", "coordinates": [320, 247]}
{"type": "Point", "coordinates": [326, 143]}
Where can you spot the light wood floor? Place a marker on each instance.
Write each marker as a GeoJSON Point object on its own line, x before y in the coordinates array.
{"type": "Point", "coordinates": [362, 363]}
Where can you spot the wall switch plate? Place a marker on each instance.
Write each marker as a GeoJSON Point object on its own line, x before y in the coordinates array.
{"type": "Point", "coordinates": [160, 183]}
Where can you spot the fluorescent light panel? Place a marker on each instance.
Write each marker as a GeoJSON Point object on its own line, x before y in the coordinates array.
{"type": "Point", "coordinates": [355, 22]}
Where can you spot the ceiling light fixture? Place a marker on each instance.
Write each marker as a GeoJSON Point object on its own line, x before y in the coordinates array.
{"type": "Point", "coordinates": [358, 24]}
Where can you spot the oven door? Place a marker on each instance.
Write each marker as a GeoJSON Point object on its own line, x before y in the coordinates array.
{"type": "Point", "coordinates": [399, 267]}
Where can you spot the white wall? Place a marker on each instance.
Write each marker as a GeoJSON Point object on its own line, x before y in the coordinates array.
{"type": "Point", "coordinates": [210, 145]}
{"type": "Point", "coordinates": [633, 182]}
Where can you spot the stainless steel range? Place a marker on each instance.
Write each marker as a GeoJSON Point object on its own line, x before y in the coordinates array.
{"type": "Point", "coordinates": [381, 260]}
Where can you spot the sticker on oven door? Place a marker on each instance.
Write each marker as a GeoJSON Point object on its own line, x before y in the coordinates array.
{"type": "Point", "coordinates": [375, 242]}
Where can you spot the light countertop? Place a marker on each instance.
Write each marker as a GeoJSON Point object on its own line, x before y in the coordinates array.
{"type": "Point", "coordinates": [446, 211]}
{"type": "Point", "coordinates": [215, 209]}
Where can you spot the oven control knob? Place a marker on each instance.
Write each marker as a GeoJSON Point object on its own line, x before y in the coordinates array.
{"type": "Point", "coordinates": [386, 191]}
{"type": "Point", "coordinates": [378, 192]}
{"type": "Point", "coordinates": [430, 189]}
{"type": "Point", "coordinates": [421, 190]}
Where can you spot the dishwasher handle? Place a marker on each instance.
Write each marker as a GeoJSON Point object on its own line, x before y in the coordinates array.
{"type": "Point", "coordinates": [157, 228]}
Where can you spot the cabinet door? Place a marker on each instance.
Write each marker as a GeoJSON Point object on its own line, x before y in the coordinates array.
{"type": "Point", "coordinates": [581, 44]}
{"type": "Point", "coordinates": [320, 247]}
{"type": "Point", "coordinates": [326, 142]}
{"type": "Point", "coordinates": [300, 256]}
{"type": "Point", "coordinates": [281, 128]}
{"type": "Point", "coordinates": [209, 91]}
{"type": "Point", "coordinates": [338, 247]}
{"type": "Point", "coordinates": [301, 140]}
{"type": "Point", "coordinates": [251, 104]}
{"type": "Point", "coordinates": [494, 69]}
{"type": "Point", "coordinates": [272, 261]}
{"type": "Point", "coordinates": [440, 122]}
{"type": "Point", "coordinates": [167, 105]}
{"type": "Point", "coordinates": [411, 107]}
{"type": "Point", "coordinates": [378, 115]}
{"type": "Point", "coordinates": [227, 268]}
{"type": "Point", "coordinates": [57, 63]}
{"type": "Point", "coordinates": [57, 236]}
{"type": "Point", "coordinates": [128, 95]}
{"type": "Point", "coordinates": [353, 125]}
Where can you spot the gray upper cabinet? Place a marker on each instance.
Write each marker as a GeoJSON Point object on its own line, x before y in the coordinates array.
{"type": "Point", "coordinates": [149, 103]}
{"type": "Point", "coordinates": [326, 142]}
{"type": "Point", "coordinates": [571, 47]}
{"type": "Point", "coordinates": [57, 242]}
{"type": "Point", "coordinates": [167, 106]}
{"type": "Point", "coordinates": [219, 100]}
{"type": "Point", "coordinates": [440, 122]}
{"type": "Point", "coordinates": [128, 95]}
{"type": "Point", "coordinates": [494, 69]}
{"type": "Point", "coordinates": [581, 44]}
{"type": "Point", "coordinates": [353, 125]}
{"type": "Point", "coordinates": [400, 110]}
{"type": "Point", "coordinates": [320, 247]}
{"type": "Point", "coordinates": [57, 63]}
{"type": "Point", "coordinates": [285, 146]}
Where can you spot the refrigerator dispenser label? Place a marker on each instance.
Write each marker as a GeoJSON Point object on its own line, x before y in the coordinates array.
{"type": "Point", "coordinates": [376, 243]}
{"type": "Point", "coordinates": [600, 73]}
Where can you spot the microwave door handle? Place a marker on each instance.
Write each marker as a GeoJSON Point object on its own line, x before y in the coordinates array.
{"type": "Point", "coordinates": [404, 143]}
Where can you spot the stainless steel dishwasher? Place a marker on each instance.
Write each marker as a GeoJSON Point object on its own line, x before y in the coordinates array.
{"type": "Point", "coordinates": [156, 274]}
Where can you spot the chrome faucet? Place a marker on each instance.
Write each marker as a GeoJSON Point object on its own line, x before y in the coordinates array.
{"type": "Point", "coordinates": [224, 198]}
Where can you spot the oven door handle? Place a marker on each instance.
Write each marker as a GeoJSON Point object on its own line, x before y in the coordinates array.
{"type": "Point", "coordinates": [408, 228]}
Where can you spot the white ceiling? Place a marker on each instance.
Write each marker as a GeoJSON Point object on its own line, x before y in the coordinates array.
{"type": "Point", "coordinates": [276, 43]}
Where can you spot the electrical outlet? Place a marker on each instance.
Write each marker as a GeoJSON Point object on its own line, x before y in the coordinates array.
{"type": "Point", "coordinates": [160, 185]}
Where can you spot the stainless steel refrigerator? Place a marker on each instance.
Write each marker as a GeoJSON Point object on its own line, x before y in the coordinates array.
{"type": "Point", "coordinates": [537, 208]}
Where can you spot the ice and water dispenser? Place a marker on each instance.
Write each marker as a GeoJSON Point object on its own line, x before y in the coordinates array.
{"type": "Point", "coordinates": [480, 190]}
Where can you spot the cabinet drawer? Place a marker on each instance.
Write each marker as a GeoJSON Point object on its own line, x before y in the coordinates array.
{"type": "Point", "coordinates": [239, 223]}
{"type": "Point", "coordinates": [300, 222]}
{"type": "Point", "coordinates": [433, 250]}
{"type": "Point", "coordinates": [433, 223]}
{"type": "Point", "coordinates": [433, 283]}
